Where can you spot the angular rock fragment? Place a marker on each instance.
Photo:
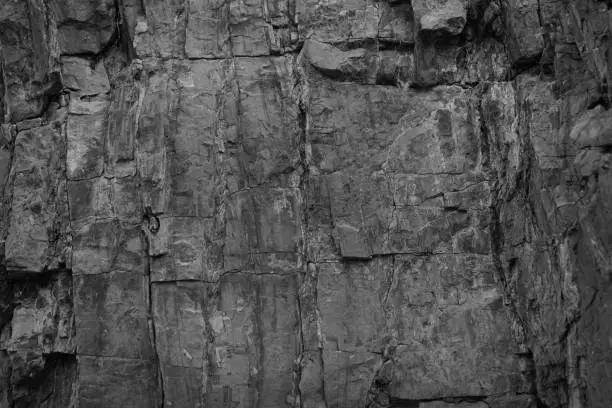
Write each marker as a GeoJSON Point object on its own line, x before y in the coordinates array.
{"type": "Point", "coordinates": [91, 22]}
{"type": "Point", "coordinates": [360, 65]}
{"type": "Point", "coordinates": [30, 76]}
{"type": "Point", "coordinates": [523, 33]}
{"type": "Point", "coordinates": [447, 16]}
{"type": "Point", "coordinates": [87, 122]}
{"type": "Point", "coordinates": [38, 199]}
{"type": "Point", "coordinates": [332, 61]}
{"type": "Point", "coordinates": [84, 76]}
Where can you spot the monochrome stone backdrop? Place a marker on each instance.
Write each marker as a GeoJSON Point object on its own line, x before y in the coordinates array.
{"type": "Point", "coordinates": [305, 203]}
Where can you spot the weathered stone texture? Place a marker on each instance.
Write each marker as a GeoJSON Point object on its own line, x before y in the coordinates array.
{"type": "Point", "coordinates": [304, 203]}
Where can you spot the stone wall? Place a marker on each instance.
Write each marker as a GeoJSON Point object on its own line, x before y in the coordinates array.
{"type": "Point", "coordinates": [303, 203]}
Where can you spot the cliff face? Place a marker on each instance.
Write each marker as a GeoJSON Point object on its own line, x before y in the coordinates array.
{"type": "Point", "coordinates": [347, 203]}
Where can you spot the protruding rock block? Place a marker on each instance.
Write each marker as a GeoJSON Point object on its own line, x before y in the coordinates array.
{"type": "Point", "coordinates": [447, 16]}
{"type": "Point", "coordinates": [123, 115]}
{"type": "Point", "coordinates": [86, 77]}
{"type": "Point", "coordinates": [86, 134]}
{"type": "Point", "coordinates": [332, 61]}
{"type": "Point", "coordinates": [37, 220]}
{"type": "Point", "coordinates": [523, 33]}
{"type": "Point", "coordinates": [92, 22]}
{"type": "Point", "coordinates": [361, 64]}
{"type": "Point", "coordinates": [29, 72]}
{"type": "Point", "coordinates": [594, 130]}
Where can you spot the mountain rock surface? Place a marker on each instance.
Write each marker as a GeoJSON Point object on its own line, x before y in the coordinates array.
{"type": "Point", "coordinates": [305, 203]}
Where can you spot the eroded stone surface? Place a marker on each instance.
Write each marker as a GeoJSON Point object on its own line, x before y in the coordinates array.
{"type": "Point", "coordinates": [37, 190]}
{"type": "Point", "coordinates": [305, 203]}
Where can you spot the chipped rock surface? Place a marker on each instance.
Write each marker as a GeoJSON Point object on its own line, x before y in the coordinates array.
{"type": "Point", "coordinates": [305, 203]}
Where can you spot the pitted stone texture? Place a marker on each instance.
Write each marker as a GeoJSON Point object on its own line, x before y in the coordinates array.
{"type": "Point", "coordinates": [85, 76]}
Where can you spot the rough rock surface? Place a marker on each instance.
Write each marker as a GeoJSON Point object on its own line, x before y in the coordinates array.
{"type": "Point", "coordinates": [315, 204]}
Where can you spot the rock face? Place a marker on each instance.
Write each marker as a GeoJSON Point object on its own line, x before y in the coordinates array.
{"type": "Point", "coordinates": [307, 204]}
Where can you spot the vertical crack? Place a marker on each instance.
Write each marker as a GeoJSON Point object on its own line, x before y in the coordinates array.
{"type": "Point", "coordinates": [124, 39]}
{"type": "Point", "coordinates": [151, 318]}
{"type": "Point", "coordinates": [3, 92]}
{"type": "Point", "coordinates": [303, 186]}
{"type": "Point", "coordinates": [140, 82]}
{"type": "Point", "coordinates": [307, 296]}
